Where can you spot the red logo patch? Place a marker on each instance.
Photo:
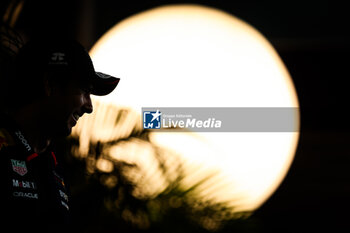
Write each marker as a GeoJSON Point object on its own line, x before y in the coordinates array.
{"type": "Point", "coordinates": [19, 167]}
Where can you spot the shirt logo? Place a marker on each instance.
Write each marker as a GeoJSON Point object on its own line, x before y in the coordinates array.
{"type": "Point", "coordinates": [19, 167]}
{"type": "Point", "coordinates": [63, 195]}
{"type": "Point", "coordinates": [26, 195]}
{"type": "Point", "coordinates": [23, 140]}
{"type": "Point", "coordinates": [57, 56]}
{"type": "Point", "coordinates": [65, 205]}
{"type": "Point", "coordinates": [23, 184]}
{"type": "Point", "coordinates": [151, 119]}
{"type": "Point", "coordinates": [58, 179]}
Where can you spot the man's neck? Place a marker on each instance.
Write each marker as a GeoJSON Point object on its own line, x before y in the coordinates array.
{"type": "Point", "coordinates": [29, 120]}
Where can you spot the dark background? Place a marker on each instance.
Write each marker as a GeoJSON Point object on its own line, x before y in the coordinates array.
{"type": "Point", "coordinates": [312, 38]}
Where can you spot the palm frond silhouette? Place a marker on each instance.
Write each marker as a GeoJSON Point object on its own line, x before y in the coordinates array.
{"type": "Point", "coordinates": [132, 184]}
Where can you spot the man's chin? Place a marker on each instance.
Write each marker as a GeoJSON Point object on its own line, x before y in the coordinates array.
{"type": "Point", "coordinates": [68, 132]}
{"type": "Point", "coordinates": [63, 131]}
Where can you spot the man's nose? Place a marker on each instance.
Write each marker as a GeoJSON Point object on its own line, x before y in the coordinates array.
{"type": "Point", "coordinates": [88, 108]}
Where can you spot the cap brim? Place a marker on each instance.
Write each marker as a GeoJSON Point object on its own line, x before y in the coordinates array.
{"type": "Point", "coordinates": [103, 84]}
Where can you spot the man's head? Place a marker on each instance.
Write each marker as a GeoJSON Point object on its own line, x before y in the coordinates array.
{"type": "Point", "coordinates": [64, 104]}
{"type": "Point", "coordinates": [59, 76]}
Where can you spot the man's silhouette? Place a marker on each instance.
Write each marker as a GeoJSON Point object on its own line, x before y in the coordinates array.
{"type": "Point", "coordinates": [49, 91]}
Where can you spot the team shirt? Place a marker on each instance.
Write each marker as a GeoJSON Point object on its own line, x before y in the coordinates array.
{"type": "Point", "coordinates": [33, 190]}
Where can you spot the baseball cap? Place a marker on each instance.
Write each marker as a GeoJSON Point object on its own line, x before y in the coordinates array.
{"type": "Point", "coordinates": [63, 56]}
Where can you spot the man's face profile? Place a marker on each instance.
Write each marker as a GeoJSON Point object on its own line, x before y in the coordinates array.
{"type": "Point", "coordinates": [68, 104]}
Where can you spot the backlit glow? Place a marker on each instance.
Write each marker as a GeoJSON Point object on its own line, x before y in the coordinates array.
{"type": "Point", "coordinates": [194, 56]}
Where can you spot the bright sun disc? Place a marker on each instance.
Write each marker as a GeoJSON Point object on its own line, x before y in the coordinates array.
{"type": "Point", "coordinates": [195, 56]}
